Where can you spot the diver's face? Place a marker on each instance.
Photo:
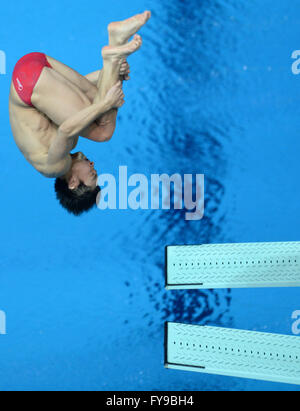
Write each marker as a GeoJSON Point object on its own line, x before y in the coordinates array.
{"type": "Point", "coordinates": [83, 171]}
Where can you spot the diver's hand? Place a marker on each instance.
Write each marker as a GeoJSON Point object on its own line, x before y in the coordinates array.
{"type": "Point", "coordinates": [125, 70]}
{"type": "Point", "coordinates": [115, 96]}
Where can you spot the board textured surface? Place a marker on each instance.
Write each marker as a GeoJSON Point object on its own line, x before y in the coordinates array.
{"type": "Point", "coordinates": [237, 353]}
{"type": "Point", "coordinates": [249, 265]}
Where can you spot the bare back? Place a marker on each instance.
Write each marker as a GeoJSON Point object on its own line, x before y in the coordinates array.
{"type": "Point", "coordinates": [33, 133]}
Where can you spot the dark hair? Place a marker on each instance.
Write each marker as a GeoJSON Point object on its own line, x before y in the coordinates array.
{"type": "Point", "coordinates": [77, 201]}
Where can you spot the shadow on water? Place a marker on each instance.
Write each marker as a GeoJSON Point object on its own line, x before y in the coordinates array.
{"type": "Point", "coordinates": [183, 128]}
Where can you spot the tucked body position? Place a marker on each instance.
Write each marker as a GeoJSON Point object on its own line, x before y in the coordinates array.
{"type": "Point", "coordinates": [51, 106]}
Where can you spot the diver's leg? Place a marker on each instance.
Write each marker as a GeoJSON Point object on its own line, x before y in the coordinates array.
{"type": "Point", "coordinates": [113, 58]}
{"type": "Point", "coordinates": [121, 31]}
{"type": "Point", "coordinates": [106, 124]}
{"type": "Point", "coordinates": [119, 34]}
{"type": "Point", "coordinates": [58, 98]}
{"type": "Point", "coordinates": [74, 77]}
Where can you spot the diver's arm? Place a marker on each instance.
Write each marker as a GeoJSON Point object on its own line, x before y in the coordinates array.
{"type": "Point", "coordinates": [75, 124]}
{"type": "Point", "coordinates": [63, 143]}
{"type": "Point", "coordinates": [70, 129]}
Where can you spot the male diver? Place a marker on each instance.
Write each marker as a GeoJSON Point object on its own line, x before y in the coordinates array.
{"type": "Point", "coordinates": [51, 105]}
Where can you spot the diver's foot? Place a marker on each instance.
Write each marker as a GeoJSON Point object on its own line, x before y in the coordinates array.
{"type": "Point", "coordinates": [120, 32]}
{"type": "Point", "coordinates": [122, 52]}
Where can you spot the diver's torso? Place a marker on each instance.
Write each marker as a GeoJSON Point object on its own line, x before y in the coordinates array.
{"type": "Point", "coordinates": [32, 130]}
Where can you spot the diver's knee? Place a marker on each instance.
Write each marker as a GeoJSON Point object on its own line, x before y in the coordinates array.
{"type": "Point", "coordinates": [107, 137]}
{"type": "Point", "coordinates": [100, 136]}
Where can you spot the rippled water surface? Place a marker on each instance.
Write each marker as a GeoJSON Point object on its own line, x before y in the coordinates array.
{"type": "Point", "coordinates": [211, 93]}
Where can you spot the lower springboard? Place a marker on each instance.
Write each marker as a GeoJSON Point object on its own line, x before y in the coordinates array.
{"type": "Point", "coordinates": [248, 265]}
{"type": "Point", "coordinates": [236, 353]}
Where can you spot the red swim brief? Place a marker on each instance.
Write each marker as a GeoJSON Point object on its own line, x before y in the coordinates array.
{"type": "Point", "coordinates": [26, 74]}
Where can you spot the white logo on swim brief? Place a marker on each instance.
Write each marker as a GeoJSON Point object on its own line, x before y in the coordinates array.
{"type": "Point", "coordinates": [20, 86]}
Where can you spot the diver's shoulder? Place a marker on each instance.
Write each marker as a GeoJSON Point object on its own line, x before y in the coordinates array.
{"type": "Point", "coordinates": [56, 170]}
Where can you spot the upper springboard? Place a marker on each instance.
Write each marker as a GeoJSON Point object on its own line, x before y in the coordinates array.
{"type": "Point", "coordinates": [248, 265]}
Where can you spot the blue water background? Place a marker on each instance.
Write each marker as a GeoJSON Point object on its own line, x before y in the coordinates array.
{"type": "Point", "coordinates": [211, 92]}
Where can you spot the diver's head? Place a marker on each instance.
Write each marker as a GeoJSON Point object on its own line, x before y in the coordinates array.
{"type": "Point", "coordinates": [77, 190]}
{"type": "Point", "coordinates": [82, 171]}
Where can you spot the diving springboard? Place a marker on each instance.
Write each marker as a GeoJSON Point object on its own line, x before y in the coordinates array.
{"type": "Point", "coordinates": [249, 265]}
{"type": "Point", "coordinates": [236, 353]}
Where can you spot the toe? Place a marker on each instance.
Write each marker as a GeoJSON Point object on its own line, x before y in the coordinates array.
{"type": "Point", "coordinates": [138, 38]}
{"type": "Point", "coordinates": [147, 15]}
